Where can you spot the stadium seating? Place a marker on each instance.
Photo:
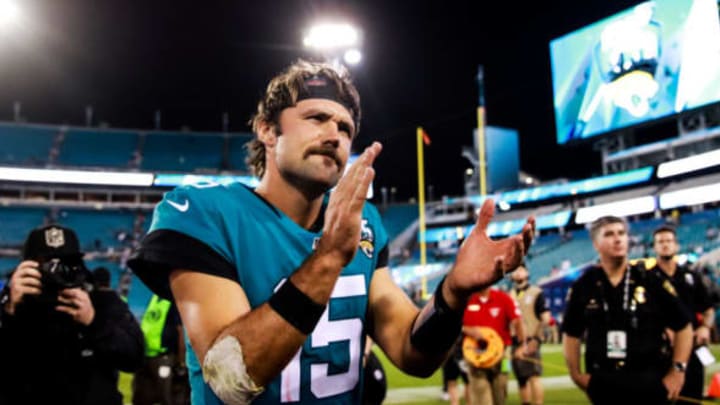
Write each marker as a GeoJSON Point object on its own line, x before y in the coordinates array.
{"type": "Point", "coordinates": [397, 217]}
{"type": "Point", "coordinates": [138, 297]}
{"type": "Point", "coordinates": [112, 266]}
{"type": "Point", "coordinates": [575, 249]}
{"type": "Point", "coordinates": [182, 152]}
{"type": "Point", "coordinates": [238, 153]}
{"type": "Point", "coordinates": [98, 148]}
{"type": "Point", "coordinates": [7, 265]}
{"type": "Point", "coordinates": [98, 230]}
{"type": "Point", "coordinates": [26, 145]}
{"type": "Point", "coordinates": [17, 222]}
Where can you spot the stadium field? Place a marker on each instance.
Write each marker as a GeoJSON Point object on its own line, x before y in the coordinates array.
{"type": "Point", "coordinates": [404, 389]}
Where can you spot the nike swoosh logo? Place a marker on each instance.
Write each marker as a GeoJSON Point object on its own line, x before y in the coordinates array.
{"type": "Point", "coordinates": [180, 207]}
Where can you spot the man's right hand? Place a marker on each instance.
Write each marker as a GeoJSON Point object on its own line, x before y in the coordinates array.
{"type": "Point", "coordinates": [533, 345]}
{"type": "Point", "coordinates": [582, 381]}
{"type": "Point", "coordinates": [24, 281]}
{"type": "Point", "coordinates": [341, 233]}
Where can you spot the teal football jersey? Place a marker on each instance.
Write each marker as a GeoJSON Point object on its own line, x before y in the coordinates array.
{"type": "Point", "coordinates": [265, 247]}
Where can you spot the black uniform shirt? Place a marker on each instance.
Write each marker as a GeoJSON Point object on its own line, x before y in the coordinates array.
{"type": "Point", "coordinates": [596, 307]}
{"type": "Point", "coordinates": [690, 289]}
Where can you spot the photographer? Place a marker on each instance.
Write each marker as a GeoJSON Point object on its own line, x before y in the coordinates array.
{"type": "Point", "coordinates": [63, 342]}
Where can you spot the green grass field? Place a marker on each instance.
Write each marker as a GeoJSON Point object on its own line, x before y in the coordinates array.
{"type": "Point", "coordinates": [429, 389]}
{"type": "Point", "coordinates": [554, 366]}
{"type": "Point", "coordinates": [553, 362]}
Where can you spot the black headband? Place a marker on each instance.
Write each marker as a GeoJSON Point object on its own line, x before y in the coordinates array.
{"type": "Point", "coordinates": [318, 86]}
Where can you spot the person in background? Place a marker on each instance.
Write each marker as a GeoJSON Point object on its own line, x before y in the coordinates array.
{"type": "Point", "coordinates": [494, 309]}
{"type": "Point", "coordinates": [451, 371]}
{"type": "Point", "coordinates": [64, 340]}
{"type": "Point", "coordinates": [163, 378]}
{"type": "Point", "coordinates": [693, 293]}
{"type": "Point", "coordinates": [535, 317]}
{"type": "Point", "coordinates": [623, 311]}
{"type": "Point", "coordinates": [375, 388]}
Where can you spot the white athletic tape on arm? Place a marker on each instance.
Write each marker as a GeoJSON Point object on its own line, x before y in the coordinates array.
{"type": "Point", "coordinates": [225, 371]}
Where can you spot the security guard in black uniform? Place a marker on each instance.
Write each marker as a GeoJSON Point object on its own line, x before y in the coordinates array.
{"type": "Point", "coordinates": [624, 310]}
{"type": "Point", "coordinates": [694, 294]}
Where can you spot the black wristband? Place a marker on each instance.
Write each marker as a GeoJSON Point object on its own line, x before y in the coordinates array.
{"type": "Point", "coordinates": [439, 331]}
{"type": "Point", "coordinates": [296, 308]}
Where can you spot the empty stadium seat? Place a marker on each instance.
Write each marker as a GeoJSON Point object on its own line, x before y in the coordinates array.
{"type": "Point", "coordinates": [17, 222]}
{"type": "Point", "coordinates": [98, 148]}
{"type": "Point", "coordinates": [397, 217]}
{"type": "Point", "coordinates": [238, 152]}
{"type": "Point", "coordinates": [139, 297]}
{"type": "Point", "coordinates": [182, 152]}
{"type": "Point", "coordinates": [26, 145]}
{"type": "Point", "coordinates": [98, 229]}
{"type": "Point", "coordinates": [7, 265]}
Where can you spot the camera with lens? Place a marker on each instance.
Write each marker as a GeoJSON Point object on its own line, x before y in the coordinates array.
{"type": "Point", "coordinates": [57, 250]}
{"type": "Point", "coordinates": [58, 274]}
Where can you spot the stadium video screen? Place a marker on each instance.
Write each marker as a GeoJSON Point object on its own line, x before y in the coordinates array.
{"type": "Point", "coordinates": [653, 60]}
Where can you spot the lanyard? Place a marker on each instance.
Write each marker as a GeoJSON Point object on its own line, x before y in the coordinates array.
{"type": "Point", "coordinates": [626, 298]}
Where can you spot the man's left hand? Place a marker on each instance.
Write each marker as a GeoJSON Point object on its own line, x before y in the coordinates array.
{"type": "Point", "coordinates": [673, 382]}
{"type": "Point", "coordinates": [76, 303]}
{"type": "Point", "coordinates": [481, 262]}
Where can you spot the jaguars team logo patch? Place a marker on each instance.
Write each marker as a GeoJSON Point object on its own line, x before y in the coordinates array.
{"type": "Point", "coordinates": [367, 239]}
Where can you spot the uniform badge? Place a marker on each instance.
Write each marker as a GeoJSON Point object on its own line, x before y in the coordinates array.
{"type": "Point", "coordinates": [367, 239]}
{"type": "Point", "coordinates": [54, 237]}
{"type": "Point", "coordinates": [689, 279]}
{"type": "Point", "coordinates": [494, 312]}
{"type": "Point", "coordinates": [669, 287]}
{"type": "Point", "coordinates": [639, 295]}
{"type": "Point", "coordinates": [592, 304]}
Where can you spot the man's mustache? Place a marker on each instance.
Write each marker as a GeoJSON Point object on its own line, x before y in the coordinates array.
{"type": "Point", "coordinates": [328, 151]}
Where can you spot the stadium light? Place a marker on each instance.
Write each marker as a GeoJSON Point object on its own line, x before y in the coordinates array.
{"type": "Point", "coordinates": [9, 12]}
{"type": "Point", "coordinates": [336, 42]}
{"type": "Point", "coordinates": [689, 164]}
{"type": "Point", "coordinates": [352, 56]}
{"type": "Point", "coordinates": [331, 36]}
{"type": "Point", "coordinates": [624, 208]}
{"type": "Point", "coordinates": [76, 177]}
{"type": "Point", "coordinates": [690, 196]}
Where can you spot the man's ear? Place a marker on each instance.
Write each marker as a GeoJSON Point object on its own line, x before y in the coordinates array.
{"type": "Point", "coordinates": [267, 134]}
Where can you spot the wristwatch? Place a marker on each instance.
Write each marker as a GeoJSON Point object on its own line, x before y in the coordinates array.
{"type": "Point", "coordinates": [679, 366]}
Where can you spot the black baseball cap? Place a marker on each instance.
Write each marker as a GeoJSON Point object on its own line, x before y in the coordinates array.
{"type": "Point", "coordinates": [52, 241]}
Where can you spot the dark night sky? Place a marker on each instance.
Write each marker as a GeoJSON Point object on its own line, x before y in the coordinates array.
{"type": "Point", "coordinates": [194, 60]}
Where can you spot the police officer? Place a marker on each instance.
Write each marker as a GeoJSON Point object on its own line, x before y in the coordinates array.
{"type": "Point", "coordinates": [624, 311]}
{"type": "Point", "coordinates": [694, 294]}
{"type": "Point", "coordinates": [163, 377]}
